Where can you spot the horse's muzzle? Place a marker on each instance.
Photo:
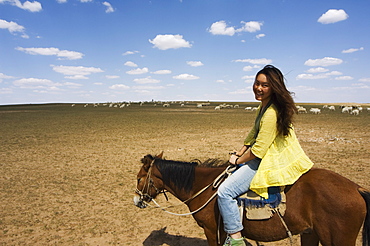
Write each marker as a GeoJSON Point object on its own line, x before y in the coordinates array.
{"type": "Point", "coordinates": [139, 202]}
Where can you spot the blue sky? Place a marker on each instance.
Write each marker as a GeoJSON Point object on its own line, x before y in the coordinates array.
{"type": "Point", "coordinates": [136, 50]}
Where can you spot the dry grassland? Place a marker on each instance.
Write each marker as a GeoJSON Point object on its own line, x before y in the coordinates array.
{"type": "Point", "coordinates": [68, 173]}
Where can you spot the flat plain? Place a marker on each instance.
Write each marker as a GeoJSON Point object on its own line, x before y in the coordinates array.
{"type": "Point", "coordinates": [68, 174]}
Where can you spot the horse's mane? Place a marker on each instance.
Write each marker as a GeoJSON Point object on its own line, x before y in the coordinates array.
{"type": "Point", "coordinates": [182, 173]}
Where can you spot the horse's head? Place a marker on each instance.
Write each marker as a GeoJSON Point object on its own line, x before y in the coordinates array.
{"type": "Point", "coordinates": [149, 183]}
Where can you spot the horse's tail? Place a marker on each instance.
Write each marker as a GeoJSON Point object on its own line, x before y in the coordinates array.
{"type": "Point", "coordinates": [366, 228]}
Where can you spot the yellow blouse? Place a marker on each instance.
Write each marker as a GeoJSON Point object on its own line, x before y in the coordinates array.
{"type": "Point", "coordinates": [283, 159]}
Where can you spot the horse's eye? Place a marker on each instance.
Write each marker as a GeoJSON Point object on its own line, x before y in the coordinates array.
{"type": "Point", "coordinates": [138, 180]}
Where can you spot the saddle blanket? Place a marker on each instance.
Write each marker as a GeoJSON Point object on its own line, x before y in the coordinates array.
{"type": "Point", "coordinates": [258, 208]}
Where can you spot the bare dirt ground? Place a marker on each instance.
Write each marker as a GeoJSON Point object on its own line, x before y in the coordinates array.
{"type": "Point", "coordinates": [68, 174]}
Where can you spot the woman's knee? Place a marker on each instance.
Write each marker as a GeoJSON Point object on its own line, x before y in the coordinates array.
{"type": "Point", "coordinates": [223, 192]}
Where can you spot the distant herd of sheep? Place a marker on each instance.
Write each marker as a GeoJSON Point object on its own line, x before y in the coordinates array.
{"type": "Point", "coordinates": [353, 110]}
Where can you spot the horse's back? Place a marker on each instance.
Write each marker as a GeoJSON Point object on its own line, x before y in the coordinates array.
{"type": "Point", "coordinates": [323, 198]}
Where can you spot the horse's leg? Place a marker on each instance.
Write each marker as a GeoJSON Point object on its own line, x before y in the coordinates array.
{"type": "Point", "coordinates": [212, 237]}
{"type": "Point", "coordinates": [309, 238]}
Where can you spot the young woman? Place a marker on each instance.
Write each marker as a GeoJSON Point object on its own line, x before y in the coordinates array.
{"type": "Point", "coordinates": [271, 154]}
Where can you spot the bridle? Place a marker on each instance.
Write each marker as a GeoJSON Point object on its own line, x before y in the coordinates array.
{"type": "Point", "coordinates": [145, 197]}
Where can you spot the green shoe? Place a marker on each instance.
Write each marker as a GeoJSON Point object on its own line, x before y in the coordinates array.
{"type": "Point", "coordinates": [234, 242]}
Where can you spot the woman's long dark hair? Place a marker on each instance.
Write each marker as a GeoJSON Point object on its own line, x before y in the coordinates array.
{"type": "Point", "coordinates": [281, 98]}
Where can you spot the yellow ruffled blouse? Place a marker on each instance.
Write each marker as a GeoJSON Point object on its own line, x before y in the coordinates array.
{"type": "Point", "coordinates": [283, 159]}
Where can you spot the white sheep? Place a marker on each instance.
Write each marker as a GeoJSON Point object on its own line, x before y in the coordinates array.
{"type": "Point", "coordinates": [355, 112]}
{"type": "Point", "coordinates": [347, 109]}
{"type": "Point", "coordinates": [331, 108]}
{"type": "Point", "coordinates": [315, 110]}
{"type": "Point", "coordinates": [302, 110]}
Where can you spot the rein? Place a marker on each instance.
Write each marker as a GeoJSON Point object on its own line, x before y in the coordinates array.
{"type": "Point", "coordinates": [215, 184]}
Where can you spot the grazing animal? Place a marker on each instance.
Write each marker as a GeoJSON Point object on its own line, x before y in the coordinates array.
{"type": "Point", "coordinates": [347, 109]}
{"type": "Point", "coordinates": [355, 112]}
{"type": "Point", "coordinates": [315, 110]}
{"type": "Point", "coordinates": [321, 206]}
{"type": "Point", "coordinates": [302, 110]}
{"type": "Point", "coordinates": [331, 108]}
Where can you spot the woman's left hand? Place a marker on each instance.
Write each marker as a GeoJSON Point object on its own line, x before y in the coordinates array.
{"type": "Point", "coordinates": [233, 159]}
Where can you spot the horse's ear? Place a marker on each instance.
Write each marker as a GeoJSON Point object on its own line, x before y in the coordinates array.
{"type": "Point", "coordinates": [146, 160]}
{"type": "Point", "coordinates": [160, 155]}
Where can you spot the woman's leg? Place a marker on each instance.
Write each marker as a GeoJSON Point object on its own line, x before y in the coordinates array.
{"type": "Point", "coordinates": [235, 185]}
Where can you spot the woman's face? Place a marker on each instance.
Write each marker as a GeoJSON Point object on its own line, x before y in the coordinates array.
{"type": "Point", "coordinates": [262, 89]}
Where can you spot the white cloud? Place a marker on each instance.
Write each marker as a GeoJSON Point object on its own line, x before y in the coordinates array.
{"type": "Point", "coordinates": [317, 70]}
{"type": "Point", "coordinates": [138, 71]}
{"type": "Point", "coordinates": [326, 61]}
{"type": "Point", "coordinates": [13, 27]}
{"type": "Point", "coordinates": [220, 81]}
{"type": "Point", "coordinates": [364, 80]}
{"type": "Point", "coordinates": [61, 1]}
{"type": "Point", "coordinates": [311, 76]}
{"type": "Point", "coordinates": [162, 72]}
{"type": "Point", "coordinates": [169, 41]}
{"type": "Point", "coordinates": [34, 83]}
{"type": "Point", "coordinates": [344, 78]}
{"type": "Point", "coordinates": [27, 5]}
{"type": "Point", "coordinates": [85, 1]}
{"type": "Point", "coordinates": [333, 16]}
{"type": "Point", "coordinates": [261, 61]}
{"type": "Point", "coordinates": [109, 9]}
{"type": "Point", "coordinates": [77, 77]}
{"type": "Point", "coordinates": [250, 68]}
{"type": "Point", "coordinates": [119, 87]}
{"type": "Point", "coordinates": [76, 72]}
{"type": "Point", "coordinates": [147, 80]}
{"type": "Point", "coordinates": [352, 50]}
{"type": "Point", "coordinates": [194, 63]}
{"type": "Point", "coordinates": [69, 55]}
{"type": "Point", "coordinates": [112, 76]}
{"type": "Point", "coordinates": [251, 26]}
{"type": "Point", "coordinates": [249, 78]}
{"type": "Point", "coordinates": [4, 76]}
{"type": "Point", "coordinates": [221, 28]}
{"type": "Point", "coordinates": [130, 64]}
{"type": "Point", "coordinates": [72, 85]}
{"type": "Point", "coordinates": [130, 52]}
{"type": "Point", "coordinates": [186, 76]}
{"type": "Point", "coordinates": [260, 35]}
{"type": "Point", "coordinates": [334, 73]}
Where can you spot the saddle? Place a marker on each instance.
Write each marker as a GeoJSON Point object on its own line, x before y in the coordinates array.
{"type": "Point", "coordinates": [255, 206]}
{"type": "Point", "coordinates": [259, 208]}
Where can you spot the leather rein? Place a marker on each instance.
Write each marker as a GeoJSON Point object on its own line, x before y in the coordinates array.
{"type": "Point", "coordinates": [149, 183]}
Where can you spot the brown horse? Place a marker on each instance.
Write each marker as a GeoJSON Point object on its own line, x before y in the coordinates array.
{"type": "Point", "coordinates": [321, 206]}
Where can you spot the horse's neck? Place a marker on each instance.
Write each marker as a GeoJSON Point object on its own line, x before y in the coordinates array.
{"type": "Point", "coordinates": [204, 176]}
